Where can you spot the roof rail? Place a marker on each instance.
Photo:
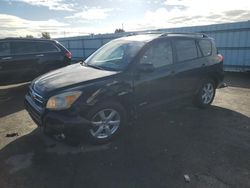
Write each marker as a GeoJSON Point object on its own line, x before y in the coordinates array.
{"type": "Point", "coordinates": [202, 35]}
{"type": "Point", "coordinates": [163, 34]}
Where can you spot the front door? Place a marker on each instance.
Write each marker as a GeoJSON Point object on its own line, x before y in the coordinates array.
{"type": "Point", "coordinates": [156, 87]}
{"type": "Point", "coordinates": [5, 60]}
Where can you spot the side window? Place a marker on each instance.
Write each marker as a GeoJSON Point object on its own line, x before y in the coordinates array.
{"type": "Point", "coordinates": [159, 54]}
{"type": "Point", "coordinates": [4, 48]}
{"type": "Point", "coordinates": [206, 47]}
{"type": "Point", "coordinates": [46, 47]}
{"type": "Point", "coordinates": [186, 49]}
{"type": "Point", "coordinates": [22, 47]}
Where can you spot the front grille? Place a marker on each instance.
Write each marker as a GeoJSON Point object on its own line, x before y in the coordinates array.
{"type": "Point", "coordinates": [35, 115]}
{"type": "Point", "coordinates": [38, 99]}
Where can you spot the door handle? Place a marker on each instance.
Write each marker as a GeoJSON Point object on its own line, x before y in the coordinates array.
{"type": "Point", "coordinates": [39, 55]}
{"type": "Point", "coordinates": [172, 72]}
{"type": "Point", "coordinates": [6, 58]}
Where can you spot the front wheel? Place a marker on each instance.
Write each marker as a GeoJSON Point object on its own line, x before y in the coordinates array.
{"type": "Point", "coordinates": [205, 94]}
{"type": "Point", "coordinates": [106, 121]}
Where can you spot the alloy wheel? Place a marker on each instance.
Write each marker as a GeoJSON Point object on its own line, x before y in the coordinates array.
{"type": "Point", "coordinates": [207, 93]}
{"type": "Point", "coordinates": [105, 123]}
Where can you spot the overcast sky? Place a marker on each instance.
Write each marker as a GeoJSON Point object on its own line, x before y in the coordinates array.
{"type": "Point", "coordinates": [81, 17]}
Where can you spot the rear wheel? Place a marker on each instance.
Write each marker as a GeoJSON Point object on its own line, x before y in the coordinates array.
{"type": "Point", "coordinates": [106, 121]}
{"type": "Point", "coordinates": [205, 94]}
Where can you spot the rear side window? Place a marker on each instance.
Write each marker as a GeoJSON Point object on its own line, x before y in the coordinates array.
{"type": "Point", "coordinates": [159, 54]}
{"type": "Point", "coordinates": [4, 48]}
{"type": "Point", "coordinates": [206, 47]}
{"type": "Point", "coordinates": [46, 47]}
{"type": "Point", "coordinates": [22, 47]}
{"type": "Point", "coordinates": [186, 49]}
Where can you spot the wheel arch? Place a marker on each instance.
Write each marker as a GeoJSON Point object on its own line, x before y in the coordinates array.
{"type": "Point", "coordinates": [215, 79]}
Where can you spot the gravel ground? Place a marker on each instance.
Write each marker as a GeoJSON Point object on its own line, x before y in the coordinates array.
{"type": "Point", "coordinates": [211, 147]}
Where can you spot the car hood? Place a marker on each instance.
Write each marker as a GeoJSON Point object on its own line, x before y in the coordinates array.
{"type": "Point", "coordinates": [68, 76]}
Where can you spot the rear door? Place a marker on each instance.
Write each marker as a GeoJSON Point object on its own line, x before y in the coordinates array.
{"type": "Point", "coordinates": [189, 66]}
{"type": "Point", "coordinates": [50, 56]}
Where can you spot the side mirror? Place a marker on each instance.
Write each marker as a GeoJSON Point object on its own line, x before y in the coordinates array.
{"type": "Point", "coordinates": [146, 67]}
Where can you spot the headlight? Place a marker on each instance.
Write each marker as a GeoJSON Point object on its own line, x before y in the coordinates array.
{"type": "Point", "coordinates": [63, 101]}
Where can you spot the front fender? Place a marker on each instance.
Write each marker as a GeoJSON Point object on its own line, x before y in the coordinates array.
{"type": "Point", "coordinates": [115, 90]}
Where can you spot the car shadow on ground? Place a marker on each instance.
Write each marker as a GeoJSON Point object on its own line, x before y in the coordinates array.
{"type": "Point", "coordinates": [12, 99]}
{"type": "Point", "coordinates": [211, 146]}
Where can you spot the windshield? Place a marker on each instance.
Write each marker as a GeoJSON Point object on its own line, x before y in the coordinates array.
{"type": "Point", "coordinates": [115, 55]}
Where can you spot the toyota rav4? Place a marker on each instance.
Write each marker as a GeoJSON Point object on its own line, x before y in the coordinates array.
{"type": "Point", "coordinates": [95, 97]}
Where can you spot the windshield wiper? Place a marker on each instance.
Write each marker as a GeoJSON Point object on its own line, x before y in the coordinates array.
{"type": "Point", "coordinates": [94, 66]}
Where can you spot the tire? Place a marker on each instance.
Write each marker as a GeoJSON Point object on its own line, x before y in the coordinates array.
{"type": "Point", "coordinates": [205, 94]}
{"type": "Point", "coordinates": [107, 121]}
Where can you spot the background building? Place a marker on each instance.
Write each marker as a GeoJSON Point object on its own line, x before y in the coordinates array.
{"type": "Point", "coordinates": [232, 39]}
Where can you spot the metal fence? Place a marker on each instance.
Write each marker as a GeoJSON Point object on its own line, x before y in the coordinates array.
{"type": "Point", "coordinates": [232, 39]}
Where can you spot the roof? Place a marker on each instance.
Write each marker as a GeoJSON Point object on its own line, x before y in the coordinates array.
{"type": "Point", "coordinates": [141, 37]}
{"type": "Point", "coordinates": [28, 39]}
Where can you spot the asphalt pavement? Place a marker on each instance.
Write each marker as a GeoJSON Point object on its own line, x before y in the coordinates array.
{"type": "Point", "coordinates": [210, 147]}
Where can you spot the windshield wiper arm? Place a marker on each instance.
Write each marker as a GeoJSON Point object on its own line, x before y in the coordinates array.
{"type": "Point", "coordinates": [82, 62]}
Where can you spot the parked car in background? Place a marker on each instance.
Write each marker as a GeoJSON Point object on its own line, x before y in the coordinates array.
{"type": "Point", "coordinates": [123, 78]}
{"type": "Point", "coordinates": [24, 59]}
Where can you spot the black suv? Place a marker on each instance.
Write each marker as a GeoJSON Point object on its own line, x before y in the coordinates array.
{"type": "Point", "coordinates": [122, 78]}
{"type": "Point", "coordinates": [24, 59]}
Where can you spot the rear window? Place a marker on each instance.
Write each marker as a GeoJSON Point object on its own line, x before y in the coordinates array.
{"type": "Point", "coordinates": [186, 49]}
{"type": "Point", "coordinates": [4, 48]}
{"type": "Point", "coordinates": [46, 47]}
{"type": "Point", "coordinates": [206, 47]}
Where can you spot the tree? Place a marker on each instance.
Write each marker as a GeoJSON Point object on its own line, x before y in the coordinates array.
{"type": "Point", "coordinates": [119, 30]}
{"type": "Point", "coordinates": [45, 35]}
{"type": "Point", "coordinates": [29, 36]}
